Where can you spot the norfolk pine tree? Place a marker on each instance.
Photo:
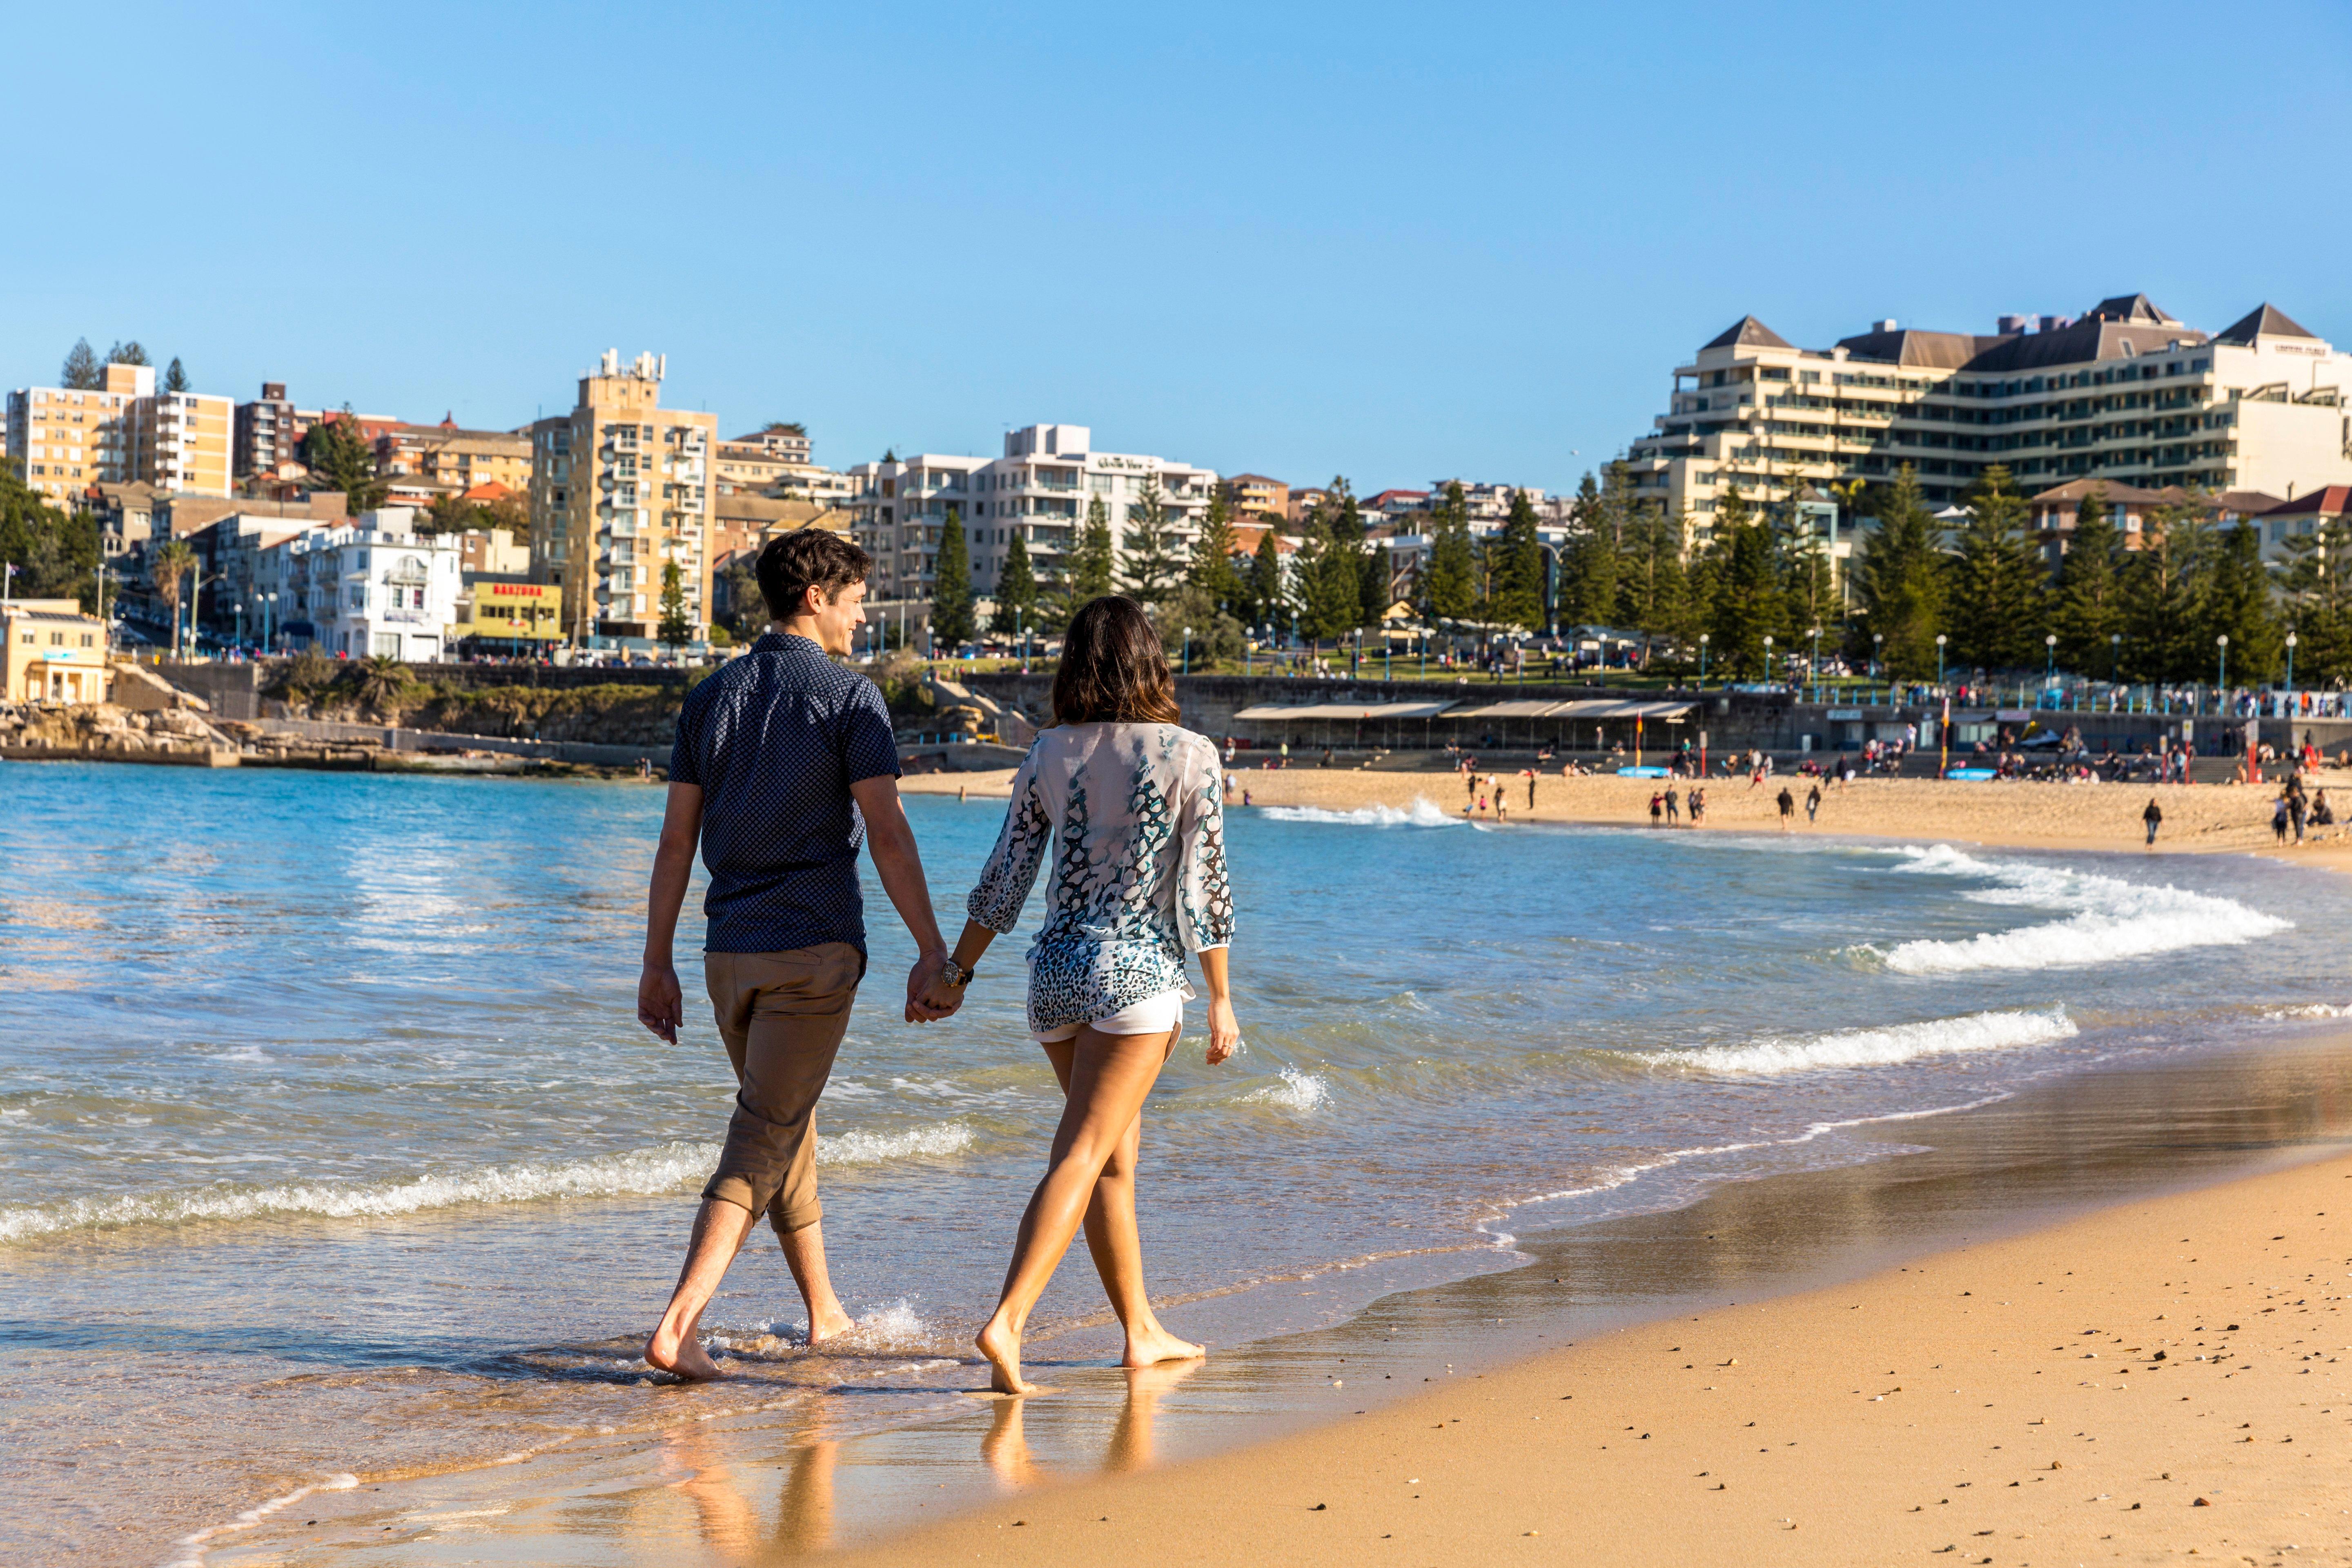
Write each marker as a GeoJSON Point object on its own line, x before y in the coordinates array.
{"type": "Point", "coordinates": [175, 379]}
{"type": "Point", "coordinates": [1016, 591]}
{"type": "Point", "coordinates": [1449, 585]}
{"type": "Point", "coordinates": [1090, 564]}
{"type": "Point", "coordinates": [2163, 597]}
{"type": "Point", "coordinates": [951, 599]}
{"type": "Point", "coordinates": [1998, 602]}
{"type": "Point", "coordinates": [676, 629]}
{"type": "Point", "coordinates": [2238, 606]}
{"type": "Point", "coordinates": [82, 372]}
{"type": "Point", "coordinates": [1746, 589]}
{"type": "Point", "coordinates": [1269, 594]}
{"type": "Point", "coordinates": [1210, 568]}
{"type": "Point", "coordinates": [2087, 611]}
{"type": "Point", "coordinates": [340, 457]}
{"type": "Point", "coordinates": [1152, 568]}
{"type": "Point", "coordinates": [2318, 604]}
{"type": "Point", "coordinates": [1900, 579]}
{"type": "Point", "coordinates": [1519, 567]}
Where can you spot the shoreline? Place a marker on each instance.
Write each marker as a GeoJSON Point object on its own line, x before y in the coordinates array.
{"type": "Point", "coordinates": [2079, 1390]}
{"type": "Point", "coordinates": [2001, 814]}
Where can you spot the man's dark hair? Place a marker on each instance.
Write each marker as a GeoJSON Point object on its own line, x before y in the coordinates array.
{"type": "Point", "coordinates": [792, 563]}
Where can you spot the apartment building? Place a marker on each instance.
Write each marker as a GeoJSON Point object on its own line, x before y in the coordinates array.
{"type": "Point", "coordinates": [2125, 393]}
{"type": "Point", "coordinates": [373, 587]}
{"type": "Point", "coordinates": [620, 489]}
{"type": "Point", "coordinates": [67, 440]}
{"type": "Point", "coordinates": [1255, 495]}
{"type": "Point", "coordinates": [64, 440]}
{"type": "Point", "coordinates": [266, 434]}
{"type": "Point", "coordinates": [1038, 490]}
{"type": "Point", "coordinates": [454, 459]}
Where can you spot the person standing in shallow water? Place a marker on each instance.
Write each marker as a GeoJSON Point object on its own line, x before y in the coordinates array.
{"type": "Point", "coordinates": [1139, 879]}
{"type": "Point", "coordinates": [783, 767]}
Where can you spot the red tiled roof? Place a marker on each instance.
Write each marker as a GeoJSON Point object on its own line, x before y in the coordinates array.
{"type": "Point", "coordinates": [2327, 499]}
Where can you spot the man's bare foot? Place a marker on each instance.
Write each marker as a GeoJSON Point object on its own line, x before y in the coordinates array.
{"type": "Point", "coordinates": [829, 1324]}
{"type": "Point", "coordinates": [680, 1355]}
{"type": "Point", "coordinates": [1155, 1344]}
{"type": "Point", "coordinates": [1001, 1346]}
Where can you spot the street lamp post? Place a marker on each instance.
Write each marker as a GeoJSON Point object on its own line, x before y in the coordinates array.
{"type": "Point", "coordinates": [1767, 657]}
{"type": "Point", "coordinates": [1939, 661]}
{"type": "Point", "coordinates": [1815, 673]}
{"type": "Point", "coordinates": [2290, 677]}
{"type": "Point", "coordinates": [2050, 663]}
{"type": "Point", "coordinates": [1702, 662]}
{"type": "Point", "coordinates": [1188, 651]}
{"type": "Point", "coordinates": [2222, 676]}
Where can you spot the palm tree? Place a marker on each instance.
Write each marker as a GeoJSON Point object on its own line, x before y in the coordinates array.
{"type": "Point", "coordinates": [376, 680]}
{"type": "Point", "coordinates": [169, 566]}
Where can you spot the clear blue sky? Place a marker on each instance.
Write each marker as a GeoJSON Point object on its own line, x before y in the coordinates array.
{"type": "Point", "coordinates": [1395, 242]}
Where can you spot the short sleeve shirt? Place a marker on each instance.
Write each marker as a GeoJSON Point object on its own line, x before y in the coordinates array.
{"type": "Point", "coordinates": [775, 739]}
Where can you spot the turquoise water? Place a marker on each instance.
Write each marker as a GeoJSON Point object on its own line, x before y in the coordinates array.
{"type": "Point", "coordinates": [332, 1146]}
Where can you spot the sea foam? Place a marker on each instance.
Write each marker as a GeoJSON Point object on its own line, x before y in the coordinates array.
{"type": "Point", "coordinates": [661, 1169]}
{"type": "Point", "coordinates": [2112, 919]}
{"type": "Point", "coordinates": [1886, 1045]}
{"type": "Point", "coordinates": [1422, 812]}
{"type": "Point", "coordinates": [1296, 1091]}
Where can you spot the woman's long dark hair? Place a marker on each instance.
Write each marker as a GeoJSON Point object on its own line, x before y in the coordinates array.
{"type": "Point", "coordinates": [1113, 669]}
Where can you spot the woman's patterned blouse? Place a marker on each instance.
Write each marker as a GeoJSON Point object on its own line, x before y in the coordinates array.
{"type": "Point", "coordinates": [1138, 869]}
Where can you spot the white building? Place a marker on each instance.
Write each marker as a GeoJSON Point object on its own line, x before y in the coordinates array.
{"type": "Point", "coordinates": [369, 588]}
{"type": "Point", "coordinates": [1039, 490]}
{"type": "Point", "coordinates": [2126, 394]}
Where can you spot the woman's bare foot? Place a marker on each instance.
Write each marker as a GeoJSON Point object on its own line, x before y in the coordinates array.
{"type": "Point", "coordinates": [1001, 1346]}
{"type": "Point", "coordinates": [681, 1355]}
{"type": "Point", "coordinates": [1154, 1344]}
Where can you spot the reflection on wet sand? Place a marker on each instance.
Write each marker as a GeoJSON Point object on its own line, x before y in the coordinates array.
{"type": "Point", "coordinates": [728, 1522]}
{"type": "Point", "coordinates": [1006, 1446]}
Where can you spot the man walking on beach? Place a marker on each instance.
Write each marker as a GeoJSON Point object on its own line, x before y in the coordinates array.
{"type": "Point", "coordinates": [783, 766]}
{"type": "Point", "coordinates": [1787, 804]}
{"type": "Point", "coordinates": [2154, 818]}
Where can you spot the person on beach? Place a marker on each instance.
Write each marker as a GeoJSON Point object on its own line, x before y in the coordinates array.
{"type": "Point", "coordinates": [1139, 879]}
{"type": "Point", "coordinates": [2154, 818]}
{"type": "Point", "coordinates": [1787, 804]}
{"type": "Point", "coordinates": [1531, 789]}
{"type": "Point", "coordinates": [1658, 808]}
{"type": "Point", "coordinates": [783, 766]}
{"type": "Point", "coordinates": [2278, 819]}
{"type": "Point", "coordinates": [1698, 806]}
{"type": "Point", "coordinates": [1674, 806]}
{"type": "Point", "coordinates": [1812, 805]}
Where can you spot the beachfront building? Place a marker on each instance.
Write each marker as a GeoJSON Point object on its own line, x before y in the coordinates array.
{"type": "Point", "coordinates": [504, 614]}
{"type": "Point", "coordinates": [1039, 490]}
{"type": "Point", "coordinates": [65, 440]}
{"type": "Point", "coordinates": [51, 652]}
{"type": "Point", "coordinates": [2126, 394]}
{"type": "Point", "coordinates": [372, 588]}
{"type": "Point", "coordinates": [620, 489]}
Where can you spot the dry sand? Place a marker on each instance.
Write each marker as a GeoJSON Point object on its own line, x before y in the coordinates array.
{"type": "Point", "coordinates": [2166, 1379]}
{"type": "Point", "coordinates": [2016, 815]}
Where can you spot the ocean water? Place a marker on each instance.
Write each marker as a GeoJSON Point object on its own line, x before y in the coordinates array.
{"type": "Point", "coordinates": [335, 1158]}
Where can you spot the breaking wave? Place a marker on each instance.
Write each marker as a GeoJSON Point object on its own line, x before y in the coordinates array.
{"type": "Point", "coordinates": [1296, 1091]}
{"type": "Point", "coordinates": [662, 1169]}
{"type": "Point", "coordinates": [1422, 812]}
{"type": "Point", "coordinates": [2112, 919]}
{"type": "Point", "coordinates": [1883, 1046]}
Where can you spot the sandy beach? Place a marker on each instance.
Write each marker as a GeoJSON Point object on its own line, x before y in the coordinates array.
{"type": "Point", "coordinates": [2228, 818]}
{"type": "Point", "coordinates": [2154, 1382]}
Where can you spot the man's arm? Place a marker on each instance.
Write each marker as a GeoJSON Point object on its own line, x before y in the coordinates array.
{"type": "Point", "coordinates": [892, 840]}
{"type": "Point", "coordinates": [660, 1006]}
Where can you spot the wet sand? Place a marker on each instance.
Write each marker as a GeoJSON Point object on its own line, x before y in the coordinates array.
{"type": "Point", "coordinates": [1910, 1332]}
{"type": "Point", "coordinates": [2164, 1378]}
{"type": "Point", "coordinates": [2011, 814]}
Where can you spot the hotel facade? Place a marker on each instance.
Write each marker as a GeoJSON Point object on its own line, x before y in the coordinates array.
{"type": "Point", "coordinates": [2126, 394]}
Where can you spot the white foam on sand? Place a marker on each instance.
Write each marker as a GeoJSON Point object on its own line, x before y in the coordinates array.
{"type": "Point", "coordinates": [1298, 1091]}
{"type": "Point", "coordinates": [2280, 1014]}
{"type": "Point", "coordinates": [662, 1169]}
{"type": "Point", "coordinates": [1422, 812]}
{"type": "Point", "coordinates": [1886, 1045]}
{"type": "Point", "coordinates": [192, 1547]}
{"type": "Point", "coordinates": [2112, 919]}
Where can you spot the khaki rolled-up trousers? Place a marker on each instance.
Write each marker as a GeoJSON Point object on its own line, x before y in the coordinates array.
{"type": "Point", "coordinates": [782, 1015]}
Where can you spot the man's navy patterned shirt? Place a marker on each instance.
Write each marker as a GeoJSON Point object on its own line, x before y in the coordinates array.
{"type": "Point", "coordinates": [775, 739]}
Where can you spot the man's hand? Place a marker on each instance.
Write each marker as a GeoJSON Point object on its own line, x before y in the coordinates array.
{"type": "Point", "coordinates": [660, 1006]}
{"type": "Point", "coordinates": [929, 998]}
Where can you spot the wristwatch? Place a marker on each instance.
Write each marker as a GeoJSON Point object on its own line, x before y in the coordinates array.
{"type": "Point", "coordinates": [955, 973]}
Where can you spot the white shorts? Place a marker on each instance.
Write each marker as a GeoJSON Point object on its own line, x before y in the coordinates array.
{"type": "Point", "coordinates": [1152, 1015]}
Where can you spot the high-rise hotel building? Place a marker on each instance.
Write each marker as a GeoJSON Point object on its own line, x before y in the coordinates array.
{"type": "Point", "coordinates": [620, 489]}
{"type": "Point", "coordinates": [66, 439]}
{"type": "Point", "coordinates": [2125, 393]}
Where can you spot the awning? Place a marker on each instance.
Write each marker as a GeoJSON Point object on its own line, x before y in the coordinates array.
{"type": "Point", "coordinates": [1583, 707]}
{"type": "Point", "coordinates": [1343, 711]}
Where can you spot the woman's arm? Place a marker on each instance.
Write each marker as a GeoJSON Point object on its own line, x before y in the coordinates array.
{"type": "Point", "coordinates": [1224, 1029]}
{"type": "Point", "coordinates": [969, 950]}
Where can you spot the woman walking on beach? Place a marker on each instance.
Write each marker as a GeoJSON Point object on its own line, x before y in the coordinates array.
{"type": "Point", "coordinates": [1138, 879]}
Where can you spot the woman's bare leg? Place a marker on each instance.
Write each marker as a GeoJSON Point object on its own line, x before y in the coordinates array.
{"type": "Point", "coordinates": [1110, 1077]}
{"type": "Point", "coordinates": [1115, 1241]}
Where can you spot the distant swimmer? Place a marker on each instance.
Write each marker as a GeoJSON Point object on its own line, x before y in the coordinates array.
{"type": "Point", "coordinates": [1788, 808]}
{"type": "Point", "coordinates": [2154, 818]}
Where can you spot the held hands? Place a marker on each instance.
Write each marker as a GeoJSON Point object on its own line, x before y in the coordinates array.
{"type": "Point", "coordinates": [929, 997]}
{"type": "Point", "coordinates": [660, 1006]}
{"type": "Point", "coordinates": [1224, 1030]}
